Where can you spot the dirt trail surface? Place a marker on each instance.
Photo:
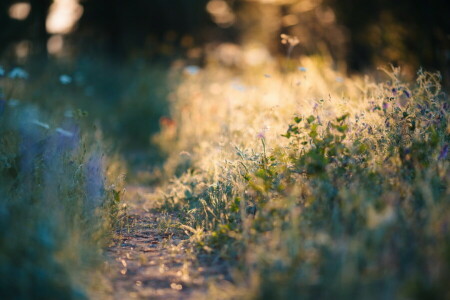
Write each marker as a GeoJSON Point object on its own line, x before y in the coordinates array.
{"type": "Point", "coordinates": [147, 262]}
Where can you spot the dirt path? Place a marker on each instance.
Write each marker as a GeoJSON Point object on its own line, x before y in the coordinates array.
{"type": "Point", "coordinates": [147, 262]}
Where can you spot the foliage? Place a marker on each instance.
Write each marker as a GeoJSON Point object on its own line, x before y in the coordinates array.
{"type": "Point", "coordinates": [60, 202]}
{"type": "Point", "coordinates": [348, 199]}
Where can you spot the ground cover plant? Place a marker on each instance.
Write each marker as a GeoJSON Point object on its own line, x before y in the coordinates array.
{"type": "Point", "coordinates": [60, 199]}
{"type": "Point", "coordinates": [270, 149]}
{"type": "Point", "coordinates": [312, 185]}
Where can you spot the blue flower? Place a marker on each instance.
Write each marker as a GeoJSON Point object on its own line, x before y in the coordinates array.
{"type": "Point", "coordinates": [65, 79]}
{"type": "Point", "coordinates": [238, 87]}
{"type": "Point", "coordinates": [2, 72]}
{"type": "Point", "coordinates": [18, 73]}
{"type": "Point", "coordinates": [192, 70]}
{"type": "Point", "coordinates": [444, 152]}
{"type": "Point", "coordinates": [302, 69]}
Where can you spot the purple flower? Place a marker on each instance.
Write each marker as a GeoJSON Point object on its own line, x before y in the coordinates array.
{"type": "Point", "coordinates": [2, 106]}
{"type": "Point", "coordinates": [406, 93]}
{"type": "Point", "coordinates": [315, 106]}
{"type": "Point", "coordinates": [394, 91]}
{"type": "Point", "coordinates": [444, 152]}
{"type": "Point", "coordinates": [94, 182]}
{"type": "Point", "coordinates": [385, 106]}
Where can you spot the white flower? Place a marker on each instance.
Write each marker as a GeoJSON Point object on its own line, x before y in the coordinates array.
{"type": "Point", "coordinates": [192, 70]}
{"type": "Point", "coordinates": [40, 124]}
{"type": "Point", "coordinates": [68, 113]}
{"type": "Point", "coordinates": [65, 79]}
{"type": "Point", "coordinates": [64, 132]}
{"type": "Point", "coordinates": [238, 87]}
{"type": "Point", "coordinates": [18, 73]}
{"type": "Point", "coordinates": [13, 102]}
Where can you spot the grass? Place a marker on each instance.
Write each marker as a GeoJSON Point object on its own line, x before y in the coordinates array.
{"type": "Point", "coordinates": [310, 184]}
{"type": "Point", "coordinates": [60, 201]}
{"type": "Point", "coordinates": [307, 183]}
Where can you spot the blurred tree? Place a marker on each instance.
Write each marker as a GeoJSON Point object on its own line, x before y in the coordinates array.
{"type": "Point", "coordinates": [31, 28]}
{"type": "Point", "coordinates": [415, 33]}
{"type": "Point", "coordinates": [120, 28]}
{"type": "Point", "coordinates": [38, 31]}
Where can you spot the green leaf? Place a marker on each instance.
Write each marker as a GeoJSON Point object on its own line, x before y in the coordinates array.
{"type": "Point", "coordinates": [310, 119]}
{"type": "Point", "coordinates": [343, 117]}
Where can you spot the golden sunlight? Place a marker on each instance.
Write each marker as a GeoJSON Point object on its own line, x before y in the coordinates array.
{"type": "Point", "coordinates": [63, 16]}
{"type": "Point", "coordinates": [19, 11]}
{"type": "Point", "coordinates": [55, 44]}
{"type": "Point", "coordinates": [221, 13]}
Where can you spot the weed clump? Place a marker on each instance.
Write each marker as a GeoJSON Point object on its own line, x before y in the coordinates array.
{"type": "Point", "coordinates": [314, 187]}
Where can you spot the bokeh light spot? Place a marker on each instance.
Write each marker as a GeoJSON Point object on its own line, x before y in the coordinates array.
{"type": "Point", "coordinates": [63, 16]}
{"type": "Point", "coordinates": [19, 11]}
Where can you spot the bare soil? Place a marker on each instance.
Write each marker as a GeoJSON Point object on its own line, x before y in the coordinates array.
{"type": "Point", "coordinates": [147, 261]}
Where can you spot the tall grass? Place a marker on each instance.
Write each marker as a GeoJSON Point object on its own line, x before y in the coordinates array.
{"type": "Point", "coordinates": [60, 201]}
{"type": "Point", "coordinates": [311, 184]}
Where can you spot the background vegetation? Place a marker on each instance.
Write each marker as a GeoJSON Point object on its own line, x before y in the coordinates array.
{"type": "Point", "coordinates": [265, 126]}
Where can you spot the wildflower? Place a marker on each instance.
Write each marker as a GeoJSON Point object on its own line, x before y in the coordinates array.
{"type": "Point", "coordinates": [68, 113]}
{"type": "Point", "coordinates": [65, 79]}
{"type": "Point", "coordinates": [64, 132]}
{"type": "Point", "coordinates": [289, 40]}
{"type": "Point", "coordinates": [185, 153]}
{"type": "Point", "coordinates": [394, 91]}
{"type": "Point", "coordinates": [302, 69]}
{"type": "Point", "coordinates": [444, 152]}
{"type": "Point", "coordinates": [18, 73]}
{"type": "Point", "coordinates": [238, 87]}
{"type": "Point", "coordinates": [385, 106]}
{"type": "Point", "coordinates": [292, 41]}
{"type": "Point", "coordinates": [316, 105]}
{"type": "Point", "coordinates": [2, 71]}
{"type": "Point", "coordinates": [261, 135]}
{"type": "Point", "coordinates": [407, 93]}
{"type": "Point", "coordinates": [192, 70]}
{"type": "Point", "coordinates": [2, 106]}
{"type": "Point", "coordinates": [13, 102]}
{"type": "Point", "coordinates": [166, 122]}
